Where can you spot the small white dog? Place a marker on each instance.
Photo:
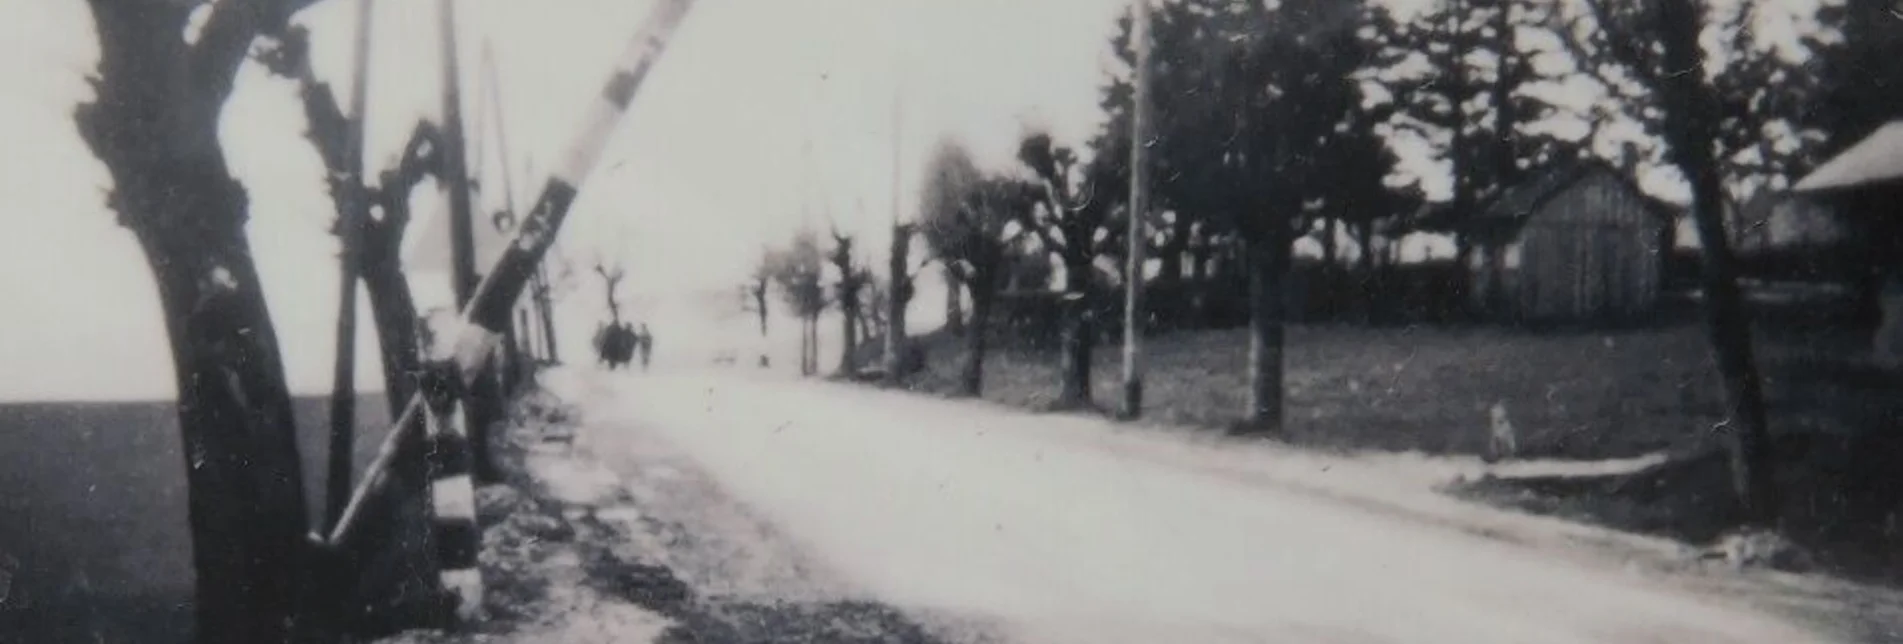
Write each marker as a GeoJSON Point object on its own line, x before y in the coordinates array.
{"type": "Point", "coordinates": [1502, 442]}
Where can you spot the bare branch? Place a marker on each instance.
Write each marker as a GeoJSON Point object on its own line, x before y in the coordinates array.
{"type": "Point", "coordinates": [226, 39]}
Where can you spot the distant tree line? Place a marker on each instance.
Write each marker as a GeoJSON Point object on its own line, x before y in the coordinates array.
{"type": "Point", "coordinates": [1280, 124]}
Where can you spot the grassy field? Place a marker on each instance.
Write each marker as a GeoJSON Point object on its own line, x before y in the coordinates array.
{"type": "Point", "coordinates": [1571, 394]}
{"type": "Point", "coordinates": [94, 514]}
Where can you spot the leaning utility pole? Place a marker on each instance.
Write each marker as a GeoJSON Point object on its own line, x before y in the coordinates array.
{"type": "Point", "coordinates": [352, 204]}
{"type": "Point", "coordinates": [1139, 210]}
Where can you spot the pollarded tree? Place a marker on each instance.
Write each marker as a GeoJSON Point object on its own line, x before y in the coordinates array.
{"type": "Point", "coordinates": [390, 579]}
{"type": "Point", "coordinates": [964, 217]}
{"type": "Point", "coordinates": [853, 279]}
{"type": "Point", "coordinates": [901, 285]}
{"type": "Point", "coordinates": [1074, 221]}
{"type": "Point", "coordinates": [165, 71]}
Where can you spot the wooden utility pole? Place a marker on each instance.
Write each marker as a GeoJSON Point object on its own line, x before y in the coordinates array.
{"type": "Point", "coordinates": [462, 240]}
{"type": "Point", "coordinates": [485, 398]}
{"type": "Point", "coordinates": [1139, 211]}
{"type": "Point", "coordinates": [899, 283]}
{"type": "Point", "coordinates": [353, 204]}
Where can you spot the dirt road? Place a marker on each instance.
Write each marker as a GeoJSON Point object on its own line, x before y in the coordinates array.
{"type": "Point", "coordinates": [1033, 525]}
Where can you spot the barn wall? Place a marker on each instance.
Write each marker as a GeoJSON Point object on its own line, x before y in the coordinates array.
{"type": "Point", "coordinates": [1590, 252]}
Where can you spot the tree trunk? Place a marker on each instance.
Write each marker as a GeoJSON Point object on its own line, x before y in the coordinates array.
{"type": "Point", "coordinates": [1331, 282]}
{"type": "Point", "coordinates": [971, 381]}
{"type": "Point", "coordinates": [760, 301]}
{"type": "Point", "coordinates": [1268, 272]}
{"type": "Point", "coordinates": [247, 506]}
{"type": "Point", "coordinates": [954, 305]}
{"type": "Point", "coordinates": [1730, 334]}
{"type": "Point", "coordinates": [154, 124]}
{"type": "Point", "coordinates": [848, 337]}
{"type": "Point", "coordinates": [1170, 257]}
{"type": "Point", "coordinates": [1079, 336]}
{"type": "Point", "coordinates": [809, 344]}
{"type": "Point", "coordinates": [1690, 133]}
{"type": "Point", "coordinates": [1365, 238]}
{"type": "Point", "coordinates": [897, 300]}
{"type": "Point", "coordinates": [805, 340]}
{"type": "Point", "coordinates": [1199, 280]}
{"type": "Point", "coordinates": [393, 308]}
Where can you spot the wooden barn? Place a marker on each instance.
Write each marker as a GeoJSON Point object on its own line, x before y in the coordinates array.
{"type": "Point", "coordinates": [1576, 243]}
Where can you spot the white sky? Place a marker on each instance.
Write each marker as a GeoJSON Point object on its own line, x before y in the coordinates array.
{"type": "Point", "coordinates": [708, 166]}
{"type": "Point", "coordinates": [760, 111]}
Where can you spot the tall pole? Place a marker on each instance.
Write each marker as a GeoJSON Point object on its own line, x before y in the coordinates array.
{"type": "Point", "coordinates": [483, 404]}
{"type": "Point", "coordinates": [1139, 211]}
{"type": "Point", "coordinates": [343, 396]}
{"type": "Point", "coordinates": [899, 283]}
{"type": "Point", "coordinates": [462, 240]}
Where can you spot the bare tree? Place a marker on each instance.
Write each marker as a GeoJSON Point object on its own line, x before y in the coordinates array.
{"type": "Point", "coordinates": [853, 279]}
{"type": "Point", "coordinates": [901, 282]}
{"type": "Point", "coordinates": [153, 121]}
{"type": "Point", "coordinates": [392, 583]}
{"type": "Point", "coordinates": [611, 276]}
{"type": "Point", "coordinates": [757, 284]}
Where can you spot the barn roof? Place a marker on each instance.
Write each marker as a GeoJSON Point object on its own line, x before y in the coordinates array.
{"type": "Point", "coordinates": [1519, 201]}
{"type": "Point", "coordinates": [1511, 207]}
{"type": "Point", "coordinates": [1878, 158]}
